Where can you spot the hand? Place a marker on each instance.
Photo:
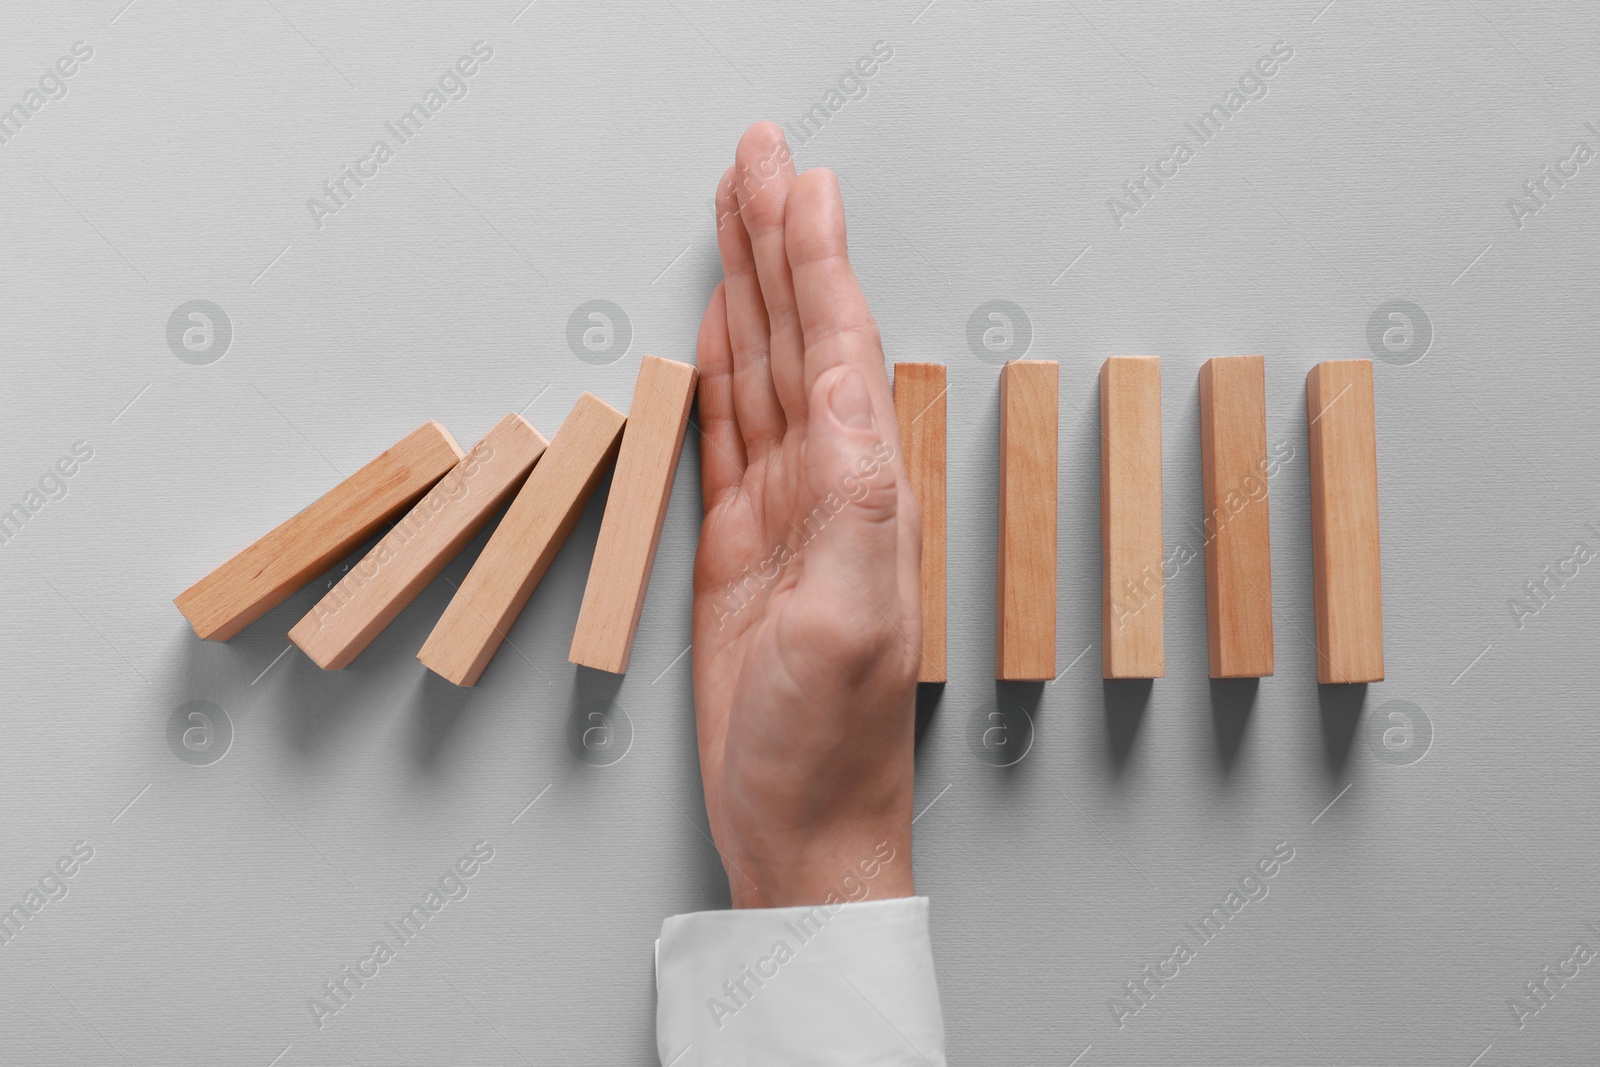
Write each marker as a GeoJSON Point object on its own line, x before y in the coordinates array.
{"type": "Point", "coordinates": [807, 609]}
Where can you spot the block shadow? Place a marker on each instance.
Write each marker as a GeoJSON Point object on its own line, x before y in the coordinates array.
{"type": "Point", "coordinates": [315, 708]}
{"type": "Point", "coordinates": [929, 696]}
{"type": "Point", "coordinates": [1341, 707]}
{"type": "Point", "coordinates": [438, 707]}
{"type": "Point", "coordinates": [590, 686]}
{"type": "Point", "coordinates": [1232, 702]}
{"type": "Point", "coordinates": [1012, 743]}
{"type": "Point", "coordinates": [590, 705]}
{"type": "Point", "coordinates": [1126, 700]}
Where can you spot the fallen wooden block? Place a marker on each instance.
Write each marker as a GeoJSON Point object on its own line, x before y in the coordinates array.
{"type": "Point", "coordinates": [1025, 587]}
{"type": "Point", "coordinates": [535, 526]}
{"type": "Point", "coordinates": [1131, 546]}
{"type": "Point", "coordinates": [635, 510]}
{"type": "Point", "coordinates": [1238, 543]}
{"type": "Point", "coordinates": [1346, 578]}
{"type": "Point", "coordinates": [411, 555]}
{"type": "Point", "coordinates": [919, 409]}
{"type": "Point", "coordinates": [261, 577]}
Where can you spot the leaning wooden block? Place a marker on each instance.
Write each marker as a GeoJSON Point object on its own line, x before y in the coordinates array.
{"type": "Point", "coordinates": [1025, 588]}
{"type": "Point", "coordinates": [1346, 578]}
{"type": "Point", "coordinates": [534, 527]}
{"type": "Point", "coordinates": [1130, 518]}
{"type": "Point", "coordinates": [1233, 471]}
{"type": "Point", "coordinates": [919, 409]}
{"type": "Point", "coordinates": [412, 554]}
{"type": "Point", "coordinates": [635, 510]}
{"type": "Point", "coordinates": [262, 576]}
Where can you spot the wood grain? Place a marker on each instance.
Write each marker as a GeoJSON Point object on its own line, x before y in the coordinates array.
{"type": "Point", "coordinates": [1238, 541]}
{"type": "Point", "coordinates": [519, 552]}
{"type": "Point", "coordinates": [1131, 545]}
{"type": "Point", "coordinates": [411, 555]}
{"type": "Point", "coordinates": [1347, 579]}
{"type": "Point", "coordinates": [919, 407]}
{"type": "Point", "coordinates": [263, 576]}
{"type": "Point", "coordinates": [637, 506]}
{"type": "Point", "coordinates": [1025, 587]}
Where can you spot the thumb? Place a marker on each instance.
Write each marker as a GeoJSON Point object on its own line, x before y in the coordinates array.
{"type": "Point", "coordinates": [851, 471]}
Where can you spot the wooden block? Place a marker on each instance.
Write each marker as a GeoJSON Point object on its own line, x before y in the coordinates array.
{"type": "Point", "coordinates": [536, 524]}
{"type": "Point", "coordinates": [635, 510]}
{"type": "Point", "coordinates": [1025, 588]}
{"type": "Point", "coordinates": [1346, 578]}
{"type": "Point", "coordinates": [262, 576]}
{"type": "Point", "coordinates": [919, 408]}
{"type": "Point", "coordinates": [1131, 545]}
{"type": "Point", "coordinates": [1233, 470]}
{"type": "Point", "coordinates": [412, 554]}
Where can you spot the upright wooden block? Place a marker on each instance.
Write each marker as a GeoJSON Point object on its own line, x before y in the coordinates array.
{"type": "Point", "coordinates": [1233, 470]}
{"type": "Point", "coordinates": [1131, 547]}
{"type": "Point", "coordinates": [412, 554]}
{"type": "Point", "coordinates": [919, 408]}
{"type": "Point", "coordinates": [262, 576]}
{"type": "Point", "coordinates": [1346, 578]}
{"type": "Point", "coordinates": [536, 524]}
{"type": "Point", "coordinates": [1025, 588]}
{"type": "Point", "coordinates": [635, 510]}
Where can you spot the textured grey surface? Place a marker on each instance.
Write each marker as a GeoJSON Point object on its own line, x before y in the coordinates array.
{"type": "Point", "coordinates": [977, 167]}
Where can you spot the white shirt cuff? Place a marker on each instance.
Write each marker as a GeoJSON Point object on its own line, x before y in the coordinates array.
{"type": "Point", "coordinates": [840, 985]}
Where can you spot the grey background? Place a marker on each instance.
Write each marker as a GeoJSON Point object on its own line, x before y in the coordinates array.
{"type": "Point", "coordinates": [977, 167]}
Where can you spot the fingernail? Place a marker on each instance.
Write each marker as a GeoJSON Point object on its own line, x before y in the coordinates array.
{"type": "Point", "coordinates": [850, 402]}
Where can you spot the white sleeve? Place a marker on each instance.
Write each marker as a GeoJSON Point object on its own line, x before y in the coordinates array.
{"type": "Point", "coordinates": [839, 985]}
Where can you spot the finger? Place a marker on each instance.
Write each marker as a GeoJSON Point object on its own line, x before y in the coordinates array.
{"type": "Point", "coordinates": [839, 331]}
{"type": "Point", "coordinates": [764, 172]}
{"type": "Point", "coordinates": [722, 457]}
{"type": "Point", "coordinates": [854, 527]}
{"type": "Point", "coordinates": [755, 403]}
{"type": "Point", "coordinates": [837, 325]}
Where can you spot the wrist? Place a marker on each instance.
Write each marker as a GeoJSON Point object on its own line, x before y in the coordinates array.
{"type": "Point", "coordinates": [840, 873]}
